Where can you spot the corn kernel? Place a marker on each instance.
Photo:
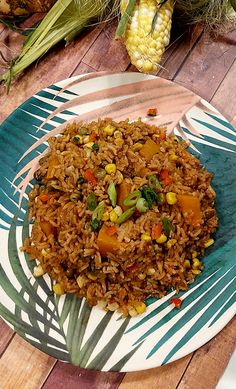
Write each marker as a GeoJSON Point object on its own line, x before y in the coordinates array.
{"type": "Point", "coordinates": [119, 142]}
{"type": "Point", "coordinates": [142, 276]}
{"type": "Point", "coordinates": [171, 243]}
{"type": "Point", "coordinates": [86, 139]}
{"type": "Point", "coordinates": [194, 254]}
{"type": "Point", "coordinates": [89, 145]}
{"type": "Point", "coordinates": [105, 216]}
{"type": "Point", "coordinates": [38, 271]}
{"type": "Point", "coordinates": [58, 289]}
{"type": "Point", "coordinates": [81, 281]}
{"type": "Point", "coordinates": [118, 210]}
{"type": "Point", "coordinates": [133, 312]}
{"type": "Point", "coordinates": [151, 271]}
{"type": "Point", "coordinates": [140, 308]}
{"type": "Point", "coordinates": [173, 157]}
{"type": "Point", "coordinates": [187, 264]}
{"type": "Point", "coordinates": [56, 270]}
{"type": "Point", "coordinates": [110, 168]}
{"type": "Point", "coordinates": [209, 243]}
{"type": "Point", "coordinates": [196, 262]}
{"type": "Point", "coordinates": [109, 129]}
{"type": "Point", "coordinates": [146, 237]}
{"type": "Point", "coordinates": [92, 276]}
{"type": "Point", "coordinates": [113, 216]}
{"type": "Point", "coordinates": [162, 238]}
{"type": "Point", "coordinates": [196, 271]}
{"type": "Point", "coordinates": [171, 198]}
{"type": "Point", "coordinates": [137, 146]}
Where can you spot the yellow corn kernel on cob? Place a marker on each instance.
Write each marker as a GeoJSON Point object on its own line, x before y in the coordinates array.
{"type": "Point", "coordinates": [147, 35]}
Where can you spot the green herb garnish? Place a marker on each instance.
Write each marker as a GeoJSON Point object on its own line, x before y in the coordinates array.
{"type": "Point", "coordinates": [91, 201]}
{"type": "Point", "coordinates": [112, 193]}
{"type": "Point", "coordinates": [167, 226]}
{"type": "Point", "coordinates": [150, 196]}
{"type": "Point", "coordinates": [99, 211]}
{"type": "Point", "coordinates": [95, 147]}
{"type": "Point", "coordinates": [80, 180]}
{"type": "Point", "coordinates": [95, 224]}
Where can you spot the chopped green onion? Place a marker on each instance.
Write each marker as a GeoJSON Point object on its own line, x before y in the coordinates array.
{"type": "Point", "coordinates": [112, 193]}
{"type": "Point", "coordinates": [100, 173]}
{"type": "Point", "coordinates": [91, 201]}
{"type": "Point", "coordinates": [83, 131]}
{"type": "Point", "coordinates": [167, 226]}
{"type": "Point", "coordinates": [95, 223]}
{"type": "Point", "coordinates": [95, 147]}
{"type": "Point", "coordinates": [125, 215]}
{"type": "Point", "coordinates": [132, 198]}
{"type": "Point", "coordinates": [98, 212]}
{"type": "Point", "coordinates": [76, 139]}
{"type": "Point", "coordinates": [154, 183]}
{"type": "Point", "coordinates": [149, 195]}
{"type": "Point", "coordinates": [142, 205]}
{"type": "Point", "coordinates": [80, 180]}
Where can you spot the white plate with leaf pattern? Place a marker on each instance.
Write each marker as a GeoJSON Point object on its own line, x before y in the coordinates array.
{"type": "Point", "coordinates": [66, 327]}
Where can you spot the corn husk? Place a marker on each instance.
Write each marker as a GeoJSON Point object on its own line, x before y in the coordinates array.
{"type": "Point", "coordinates": [65, 21]}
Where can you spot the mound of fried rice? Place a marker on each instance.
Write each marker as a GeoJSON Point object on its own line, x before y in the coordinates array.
{"type": "Point", "coordinates": [134, 264]}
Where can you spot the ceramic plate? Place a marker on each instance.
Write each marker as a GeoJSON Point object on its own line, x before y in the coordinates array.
{"type": "Point", "coordinates": [66, 327]}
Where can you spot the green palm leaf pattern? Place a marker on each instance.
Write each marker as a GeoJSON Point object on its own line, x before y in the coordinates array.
{"type": "Point", "coordinates": [66, 327]}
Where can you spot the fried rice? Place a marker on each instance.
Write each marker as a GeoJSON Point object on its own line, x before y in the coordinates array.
{"type": "Point", "coordinates": [115, 254]}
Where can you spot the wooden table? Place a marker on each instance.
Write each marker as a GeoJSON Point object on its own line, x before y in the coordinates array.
{"type": "Point", "coordinates": [195, 60]}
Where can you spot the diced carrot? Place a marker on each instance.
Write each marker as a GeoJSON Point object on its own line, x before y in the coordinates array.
{"type": "Point", "coordinates": [32, 250]}
{"type": "Point", "coordinates": [44, 197]}
{"type": "Point", "coordinates": [123, 191]}
{"type": "Point", "coordinates": [176, 301]}
{"type": "Point", "coordinates": [190, 207]}
{"type": "Point", "coordinates": [112, 230]}
{"type": "Point", "coordinates": [143, 171]}
{"type": "Point", "coordinates": [47, 228]}
{"type": "Point", "coordinates": [156, 231]}
{"type": "Point", "coordinates": [149, 149]}
{"type": "Point", "coordinates": [52, 163]}
{"type": "Point", "coordinates": [90, 177]}
{"type": "Point", "coordinates": [133, 268]}
{"type": "Point", "coordinates": [106, 243]}
{"type": "Point", "coordinates": [152, 112]}
{"type": "Point", "coordinates": [92, 136]}
{"type": "Point", "coordinates": [162, 135]}
{"type": "Point", "coordinates": [165, 177]}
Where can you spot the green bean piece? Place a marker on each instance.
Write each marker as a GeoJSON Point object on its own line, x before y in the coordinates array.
{"type": "Point", "coordinates": [125, 215]}
{"type": "Point", "coordinates": [112, 193]}
{"type": "Point", "coordinates": [132, 198]}
{"type": "Point", "coordinates": [99, 211]}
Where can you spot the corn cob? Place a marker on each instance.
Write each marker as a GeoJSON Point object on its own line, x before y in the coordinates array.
{"type": "Point", "coordinates": [147, 32]}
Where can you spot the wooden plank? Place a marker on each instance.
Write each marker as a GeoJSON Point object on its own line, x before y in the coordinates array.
{"type": "Point", "coordinates": [107, 53]}
{"type": "Point", "coordinates": [164, 377]}
{"type": "Point", "coordinates": [209, 362]}
{"type": "Point", "coordinates": [6, 334]}
{"type": "Point", "coordinates": [55, 66]}
{"type": "Point", "coordinates": [208, 64]}
{"type": "Point", "coordinates": [82, 68]}
{"type": "Point", "coordinates": [65, 376]}
{"type": "Point", "coordinates": [178, 51]}
{"type": "Point", "coordinates": [227, 93]}
{"type": "Point", "coordinates": [22, 366]}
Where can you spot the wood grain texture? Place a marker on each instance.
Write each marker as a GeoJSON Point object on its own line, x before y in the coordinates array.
{"type": "Point", "coordinates": [57, 65]}
{"type": "Point", "coordinates": [164, 377]}
{"type": "Point", "coordinates": [65, 376]}
{"type": "Point", "coordinates": [22, 366]}
{"type": "Point", "coordinates": [208, 64]}
{"type": "Point", "coordinates": [107, 53]}
{"type": "Point", "coordinates": [225, 96]}
{"type": "Point", "coordinates": [209, 362]}
{"type": "Point", "coordinates": [6, 334]}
